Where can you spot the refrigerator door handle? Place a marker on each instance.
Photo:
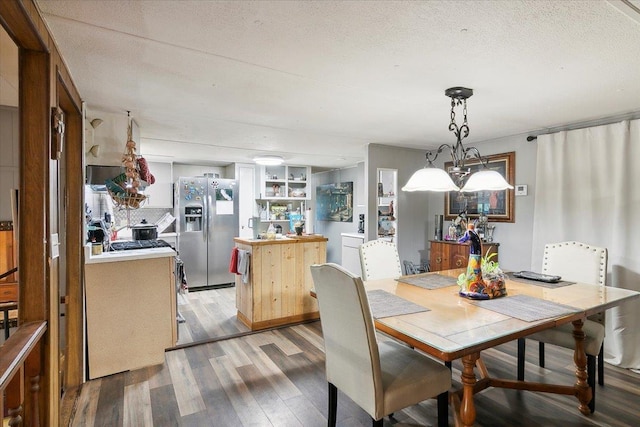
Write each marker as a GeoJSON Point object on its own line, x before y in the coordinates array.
{"type": "Point", "coordinates": [205, 219]}
{"type": "Point", "coordinates": [210, 216]}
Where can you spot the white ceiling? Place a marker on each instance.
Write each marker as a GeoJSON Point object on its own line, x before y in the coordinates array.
{"type": "Point", "coordinates": [219, 82]}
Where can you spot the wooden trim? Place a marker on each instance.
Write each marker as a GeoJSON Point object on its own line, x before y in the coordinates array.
{"type": "Point", "coordinates": [73, 239]}
{"type": "Point", "coordinates": [265, 324]}
{"type": "Point", "coordinates": [17, 348]}
{"type": "Point", "coordinates": [17, 21]}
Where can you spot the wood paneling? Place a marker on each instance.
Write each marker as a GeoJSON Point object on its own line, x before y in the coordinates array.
{"type": "Point", "coordinates": [277, 292]}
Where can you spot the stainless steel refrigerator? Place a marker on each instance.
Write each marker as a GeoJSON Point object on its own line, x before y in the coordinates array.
{"type": "Point", "coordinates": [207, 209]}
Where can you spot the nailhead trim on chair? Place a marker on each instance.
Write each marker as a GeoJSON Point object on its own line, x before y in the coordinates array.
{"type": "Point", "coordinates": [603, 271]}
{"type": "Point", "coordinates": [377, 242]}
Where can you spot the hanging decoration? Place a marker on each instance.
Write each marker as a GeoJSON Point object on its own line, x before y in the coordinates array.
{"type": "Point", "coordinates": [124, 189]}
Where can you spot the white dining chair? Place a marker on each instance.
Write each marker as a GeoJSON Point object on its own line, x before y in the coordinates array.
{"type": "Point", "coordinates": [380, 377]}
{"type": "Point", "coordinates": [379, 259]}
{"type": "Point", "coordinates": [575, 262]}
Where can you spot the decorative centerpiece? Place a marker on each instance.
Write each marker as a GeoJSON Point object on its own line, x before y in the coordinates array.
{"type": "Point", "coordinates": [484, 279]}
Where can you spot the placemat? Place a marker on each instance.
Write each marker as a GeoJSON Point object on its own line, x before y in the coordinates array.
{"type": "Point", "coordinates": [525, 307]}
{"type": "Point", "coordinates": [385, 304]}
{"type": "Point", "coordinates": [430, 281]}
{"type": "Point", "coordinates": [559, 284]}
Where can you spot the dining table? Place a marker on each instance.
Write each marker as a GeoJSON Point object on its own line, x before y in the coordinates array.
{"type": "Point", "coordinates": [427, 312]}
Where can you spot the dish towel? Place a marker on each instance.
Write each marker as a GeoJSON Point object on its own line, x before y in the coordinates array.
{"type": "Point", "coordinates": [233, 264]}
{"type": "Point", "coordinates": [244, 258]}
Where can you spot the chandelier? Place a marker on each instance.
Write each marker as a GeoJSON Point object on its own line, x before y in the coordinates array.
{"type": "Point", "coordinates": [431, 178]}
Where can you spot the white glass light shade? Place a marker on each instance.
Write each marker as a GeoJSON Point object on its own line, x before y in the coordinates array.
{"type": "Point", "coordinates": [430, 179]}
{"type": "Point", "coordinates": [268, 160]}
{"type": "Point", "coordinates": [486, 180]}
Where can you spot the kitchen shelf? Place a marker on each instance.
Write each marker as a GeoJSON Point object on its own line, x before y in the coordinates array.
{"type": "Point", "coordinates": [285, 182]}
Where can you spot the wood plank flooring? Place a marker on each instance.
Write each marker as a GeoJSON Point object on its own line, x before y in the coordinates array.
{"type": "Point", "coordinates": [276, 378]}
{"type": "Point", "coordinates": [208, 314]}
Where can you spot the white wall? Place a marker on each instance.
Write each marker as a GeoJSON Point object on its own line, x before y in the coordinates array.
{"type": "Point", "coordinates": [515, 238]}
{"type": "Point", "coordinates": [9, 159]}
{"type": "Point", "coordinates": [412, 213]}
{"type": "Point", "coordinates": [332, 229]}
{"type": "Point", "coordinates": [110, 136]}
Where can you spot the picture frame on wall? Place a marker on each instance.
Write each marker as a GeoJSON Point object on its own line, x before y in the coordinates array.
{"type": "Point", "coordinates": [498, 206]}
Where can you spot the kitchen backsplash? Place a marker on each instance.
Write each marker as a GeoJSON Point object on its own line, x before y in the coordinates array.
{"type": "Point", "coordinates": [137, 215]}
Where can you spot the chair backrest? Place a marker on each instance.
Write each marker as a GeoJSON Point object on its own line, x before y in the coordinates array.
{"type": "Point", "coordinates": [351, 349]}
{"type": "Point", "coordinates": [577, 262]}
{"type": "Point", "coordinates": [380, 260]}
{"type": "Point", "coordinates": [410, 267]}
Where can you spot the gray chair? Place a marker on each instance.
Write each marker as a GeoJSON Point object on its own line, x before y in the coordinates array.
{"type": "Point", "coordinates": [379, 260]}
{"type": "Point", "coordinates": [576, 262]}
{"type": "Point", "coordinates": [380, 377]}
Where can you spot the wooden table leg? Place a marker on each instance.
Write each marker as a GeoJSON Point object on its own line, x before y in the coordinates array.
{"type": "Point", "coordinates": [583, 391]}
{"type": "Point", "coordinates": [467, 408]}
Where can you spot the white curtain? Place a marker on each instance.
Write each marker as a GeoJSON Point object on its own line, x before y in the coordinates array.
{"type": "Point", "coordinates": [588, 190]}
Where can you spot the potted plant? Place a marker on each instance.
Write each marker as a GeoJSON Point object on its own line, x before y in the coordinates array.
{"type": "Point", "coordinates": [492, 276]}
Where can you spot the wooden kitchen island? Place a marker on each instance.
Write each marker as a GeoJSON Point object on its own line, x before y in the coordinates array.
{"type": "Point", "coordinates": [279, 280]}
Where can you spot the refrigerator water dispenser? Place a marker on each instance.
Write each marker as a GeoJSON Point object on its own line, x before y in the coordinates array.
{"type": "Point", "coordinates": [193, 218]}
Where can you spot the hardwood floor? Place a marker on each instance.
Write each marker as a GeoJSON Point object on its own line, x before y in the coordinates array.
{"type": "Point", "coordinates": [208, 314]}
{"type": "Point", "coordinates": [276, 378]}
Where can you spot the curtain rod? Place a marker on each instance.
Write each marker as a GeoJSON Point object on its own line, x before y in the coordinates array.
{"type": "Point", "coordinates": [591, 123]}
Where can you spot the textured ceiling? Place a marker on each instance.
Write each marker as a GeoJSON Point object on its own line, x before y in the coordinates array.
{"type": "Point", "coordinates": [316, 81]}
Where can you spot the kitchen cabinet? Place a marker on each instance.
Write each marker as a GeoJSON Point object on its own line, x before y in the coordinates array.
{"type": "Point", "coordinates": [8, 284]}
{"type": "Point", "coordinates": [445, 255]}
{"type": "Point", "coordinates": [130, 309]}
{"type": "Point", "coordinates": [351, 243]}
{"type": "Point", "coordinates": [278, 288]}
{"type": "Point", "coordinates": [285, 182]}
{"type": "Point", "coordinates": [160, 193]}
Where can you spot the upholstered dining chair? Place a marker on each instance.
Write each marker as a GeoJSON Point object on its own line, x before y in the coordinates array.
{"type": "Point", "coordinates": [576, 262]}
{"type": "Point", "coordinates": [379, 259]}
{"type": "Point", "coordinates": [380, 377]}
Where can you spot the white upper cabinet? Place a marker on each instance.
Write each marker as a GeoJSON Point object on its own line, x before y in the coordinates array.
{"type": "Point", "coordinates": [285, 182]}
{"type": "Point", "coordinates": [160, 193]}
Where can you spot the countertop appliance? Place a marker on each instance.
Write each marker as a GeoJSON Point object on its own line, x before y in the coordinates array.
{"type": "Point", "coordinates": [207, 209]}
{"type": "Point", "coordinates": [144, 231]}
{"type": "Point", "coordinates": [138, 244]}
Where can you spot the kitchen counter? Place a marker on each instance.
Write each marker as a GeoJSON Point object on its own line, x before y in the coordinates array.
{"type": "Point", "coordinates": [130, 309]}
{"type": "Point", "coordinates": [290, 238]}
{"type": "Point", "coordinates": [118, 256]}
{"type": "Point", "coordinates": [277, 290]}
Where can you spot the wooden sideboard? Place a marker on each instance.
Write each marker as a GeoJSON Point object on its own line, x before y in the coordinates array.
{"type": "Point", "coordinates": [9, 284]}
{"type": "Point", "coordinates": [445, 255]}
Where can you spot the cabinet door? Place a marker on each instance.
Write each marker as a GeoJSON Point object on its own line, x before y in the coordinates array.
{"type": "Point", "coordinates": [459, 256]}
{"type": "Point", "coordinates": [439, 257]}
{"type": "Point", "coordinates": [160, 193]}
{"type": "Point", "coordinates": [351, 254]}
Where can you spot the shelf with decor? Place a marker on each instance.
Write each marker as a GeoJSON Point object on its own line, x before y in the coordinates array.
{"type": "Point", "coordinates": [386, 204]}
{"type": "Point", "coordinates": [285, 182]}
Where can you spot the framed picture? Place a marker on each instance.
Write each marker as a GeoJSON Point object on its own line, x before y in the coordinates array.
{"type": "Point", "coordinates": [334, 202]}
{"type": "Point", "coordinates": [498, 206]}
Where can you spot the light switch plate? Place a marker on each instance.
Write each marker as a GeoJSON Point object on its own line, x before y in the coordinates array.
{"type": "Point", "coordinates": [55, 246]}
{"type": "Point", "coordinates": [521, 189]}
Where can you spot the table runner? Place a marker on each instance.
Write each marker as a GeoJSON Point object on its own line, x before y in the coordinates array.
{"type": "Point", "coordinates": [559, 284]}
{"type": "Point", "coordinates": [385, 304]}
{"type": "Point", "coordinates": [525, 307]}
{"type": "Point", "coordinates": [430, 281]}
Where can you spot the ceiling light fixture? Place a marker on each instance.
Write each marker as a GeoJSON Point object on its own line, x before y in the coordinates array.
{"type": "Point", "coordinates": [268, 160]}
{"type": "Point", "coordinates": [431, 178]}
